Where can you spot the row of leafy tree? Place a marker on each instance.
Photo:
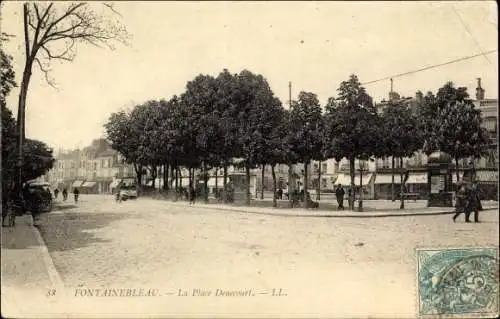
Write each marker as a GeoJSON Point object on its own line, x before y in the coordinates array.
{"type": "Point", "coordinates": [236, 116]}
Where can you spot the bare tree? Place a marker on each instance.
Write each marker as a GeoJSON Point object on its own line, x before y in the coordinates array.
{"type": "Point", "coordinates": [52, 32]}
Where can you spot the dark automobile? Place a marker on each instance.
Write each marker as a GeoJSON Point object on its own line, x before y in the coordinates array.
{"type": "Point", "coordinates": [37, 197]}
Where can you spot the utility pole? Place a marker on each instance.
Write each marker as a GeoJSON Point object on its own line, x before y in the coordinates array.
{"type": "Point", "coordinates": [291, 180]}
{"type": "Point", "coordinates": [393, 191]}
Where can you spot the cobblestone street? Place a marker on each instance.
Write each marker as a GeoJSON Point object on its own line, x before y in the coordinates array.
{"type": "Point", "coordinates": [325, 265]}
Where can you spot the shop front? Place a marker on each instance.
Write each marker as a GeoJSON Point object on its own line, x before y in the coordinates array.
{"type": "Point", "coordinates": [487, 181]}
{"type": "Point", "coordinates": [366, 180]}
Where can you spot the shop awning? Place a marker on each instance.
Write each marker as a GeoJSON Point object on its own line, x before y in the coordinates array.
{"type": "Point", "coordinates": [345, 179]}
{"type": "Point", "coordinates": [77, 184]}
{"type": "Point", "coordinates": [386, 179]}
{"type": "Point", "coordinates": [115, 183]}
{"type": "Point", "coordinates": [417, 178]}
{"type": "Point", "coordinates": [487, 177]}
{"type": "Point", "coordinates": [88, 184]}
{"type": "Point", "coordinates": [220, 181]}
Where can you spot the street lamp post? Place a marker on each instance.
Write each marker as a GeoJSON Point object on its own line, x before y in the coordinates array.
{"type": "Point", "coordinates": [361, 170]}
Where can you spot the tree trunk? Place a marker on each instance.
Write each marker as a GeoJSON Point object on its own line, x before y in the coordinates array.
{"type": "Point", "coordinates": [262, 182]}
{"type": "Point", "coordinates": [402, 206]}
{"type": "Point", "coordinates": [205, 182]}
{"type": "Point", "coordinates": [180, 176]}
{"type": "Point", "coordinates": [457, 172]}
{"type": "Point", "coordinates": [275, 202]}
{"type": "Point", "coordinates": [138, 173]}
{"type": "Point", "coordinates": [190, 177]}
{"type": "Point", "coordinates": [393, 191]}
{"type": "Point", "coordinates": [360, 204]}
{"type": "Point", "coordinates": [224, 182]}
{"type": "Point", "coordinates": [247, 185]}
{"type": "Point", "coordinates": [21, 111]}
{"type": "Point", "coordinates": [306, 183]}
{"type": "Point", "coordinates": [176, 179]}
{"type": "Point", "coordinates": [154, 173]}
{"type": "Point", "coordinates": [291, 185]}
{"type": "Point", "coordinates": [172, 176]}
{"type": "Point", "coordinates": [165, 177]}
{"type": "Point", "coordinates": [216, 184]}
{"type": "Point", "coordinates": [318, 189]}
{"type": "Point", "coordinates": [352, 171]}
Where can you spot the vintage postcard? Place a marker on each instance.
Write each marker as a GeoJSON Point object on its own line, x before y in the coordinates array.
{"type": "Point", "coordinates": [249, 159]}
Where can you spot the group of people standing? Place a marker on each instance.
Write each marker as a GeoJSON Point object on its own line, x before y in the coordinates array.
{"type": "Point", "coordinates": [468, 201]}
{"type": "Point", "coordinates": [76, 193]}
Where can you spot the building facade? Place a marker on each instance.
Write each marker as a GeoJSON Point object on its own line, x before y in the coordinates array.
{"type": "Point", "coordinates": [92, 169]}
{"type": "Point", "coordinates": [486, 167]}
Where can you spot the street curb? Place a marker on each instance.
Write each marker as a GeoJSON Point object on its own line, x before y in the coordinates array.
{"type": "Point", "coordinates": [367, 215]}
{"type": "Point", "coordinates": [54, 276]}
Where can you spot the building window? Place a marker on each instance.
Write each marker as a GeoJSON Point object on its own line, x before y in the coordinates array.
{"type": "Point", "coordinates": [323, 183]}
{"type": "Point", "coordinates": [490, 124]}
{"type": "Point", "coordinates": [316, 167]}
{"type": "Point", "coordinates": [324, 167]}
{"type": "Point", "coordinates": [385, 162]}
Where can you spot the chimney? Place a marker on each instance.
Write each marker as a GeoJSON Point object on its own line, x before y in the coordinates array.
{"type": "Point", "coordinates": [419, 96]}
{"type": "Point", "coordinates": [479, 90]}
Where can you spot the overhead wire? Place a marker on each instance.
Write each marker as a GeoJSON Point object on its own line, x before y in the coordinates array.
{"type": "Point", "coordinates": [431, 67]}
{"type": "Point", "coordinates": [445, 63]}
{"type": "Point", "coordinates": [466, 27]}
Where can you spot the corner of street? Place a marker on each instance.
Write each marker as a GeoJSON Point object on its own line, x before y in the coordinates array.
{"type": "Point", "coordinates": [174, 245]}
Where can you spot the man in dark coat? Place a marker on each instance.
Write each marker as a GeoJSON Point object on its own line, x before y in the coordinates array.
{"type": "Point", "coordinates": [192, 195]}
{"type": "Point", "coordinates": [474, 202]}
{"type": "Point", "coordinates": [76, 193]}
{"type": "Point", "coordinates": [339, 193]}
{"type": "Point", "coordinates": [462, 205]}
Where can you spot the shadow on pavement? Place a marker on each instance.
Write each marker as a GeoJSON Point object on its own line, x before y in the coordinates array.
{"type": "Point", "coordinates": [73, 230]}
{"type": "Point", "coordinates": [350, 215]}
{"type": "Point", "coordinates": [64, 206]}
{"type": "Point", "coordinates": [18, 237]}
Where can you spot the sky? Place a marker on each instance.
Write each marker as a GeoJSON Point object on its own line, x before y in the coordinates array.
{"type": "Point", "coordinates": [314, 45]}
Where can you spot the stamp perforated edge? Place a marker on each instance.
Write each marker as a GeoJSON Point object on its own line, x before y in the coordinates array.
{"type": "Point", "coordinates": [417, 285]}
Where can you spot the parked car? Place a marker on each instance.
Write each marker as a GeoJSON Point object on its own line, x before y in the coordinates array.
{"type": "Point", "coordinates": [128, 192]}
{"type": "Point", "coordinates": [37, 197]}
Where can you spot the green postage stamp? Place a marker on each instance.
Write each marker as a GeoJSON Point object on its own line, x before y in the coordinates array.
{"type": "Point", "coordinates": [458, 283]}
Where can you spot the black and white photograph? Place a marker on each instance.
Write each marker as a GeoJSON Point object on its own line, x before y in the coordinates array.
{"type": "Point", "coordinates": [249, 159]}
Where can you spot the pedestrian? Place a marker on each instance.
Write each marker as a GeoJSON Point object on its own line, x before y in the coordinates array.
{"type": "Point", "coordinates": [118, 196]}
{"type": "Point", "coordinates": [192, 195]}
{"type": "Point", "coordinates": [339, 193]}
{"type": "Point", "coordinates": [462, 203]}
{"type": "Point", "coordinates": [474, 202]}
{"type": "Point", "coordinates": [280, 193]}
{"type": "Point", "coordinates": [76, 192]}
{"type": "Point", "coordinates": [65, 194]}
{"type": "Point", "coordinates": [56, 192]}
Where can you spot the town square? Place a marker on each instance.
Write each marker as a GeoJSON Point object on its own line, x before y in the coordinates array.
{"type": "Point", "coordinates": [251, 159]}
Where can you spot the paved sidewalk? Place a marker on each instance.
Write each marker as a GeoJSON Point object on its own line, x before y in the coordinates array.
{"type": "Point", "coordinates": [372, 208]}
{"type": "Point", "coordinates": [28, 273]}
